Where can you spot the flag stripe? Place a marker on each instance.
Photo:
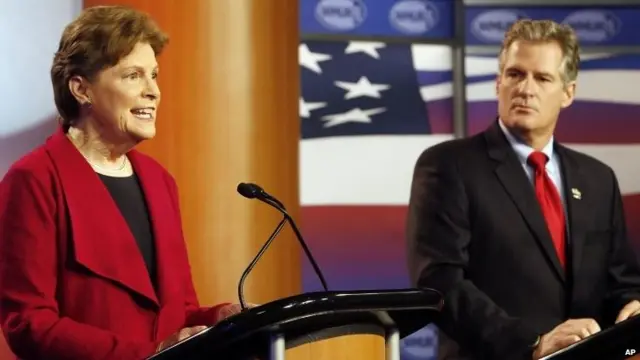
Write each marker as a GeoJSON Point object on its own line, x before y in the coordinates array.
{"type": "Point", "coordinates": [581, 123]}
{"type": "Point", "coordinates": [367, 170]}
{"type": "Point", "coordinates": [337, 236]}
{"type": "Point", "coordinates": [439, 58]}
{"type": "Point", "coordinates": [601, 86]}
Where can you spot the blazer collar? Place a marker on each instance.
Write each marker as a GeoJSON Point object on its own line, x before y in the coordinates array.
{"type": "Point", "coordinates": [578, 211]}
{"type": "Point", "coordinates": [102, 241]}
{"type": "Point", "coordinates": [514, 180]}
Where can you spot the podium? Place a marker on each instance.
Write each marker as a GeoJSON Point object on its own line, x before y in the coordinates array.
{"type": "Point", "coordinates": [621, 341]}
{"type": "Point", "coordinates": [266, 331]}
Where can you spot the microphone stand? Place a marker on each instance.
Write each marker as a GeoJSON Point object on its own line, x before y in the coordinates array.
{"type": "Point", "coordinates": [269, 200]}
{"type": "Point", "coordinates": [307, 252]}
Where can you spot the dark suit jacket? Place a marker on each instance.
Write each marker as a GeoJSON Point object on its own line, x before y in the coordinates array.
{"type": "Point", "coordinates": [476, 233]}
{"type": "Point", "coordinates": [73, 283]}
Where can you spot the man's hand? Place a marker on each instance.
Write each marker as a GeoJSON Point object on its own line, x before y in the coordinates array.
{"type": "Point", "coordinates": [565, 334]}
{"type": "Point", "coordinates": [629, 310]}
{"type": "Point", "coordinates": [179, 336]}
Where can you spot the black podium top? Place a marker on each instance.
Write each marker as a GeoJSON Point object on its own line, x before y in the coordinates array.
{"type": "Point", "coordinates": [620, 341]}
{"type": "Point", "coordinates": [310, 317]}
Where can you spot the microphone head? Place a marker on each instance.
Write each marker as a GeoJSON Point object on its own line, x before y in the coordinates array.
{"type": "Point", "coordinates": [249, 191]}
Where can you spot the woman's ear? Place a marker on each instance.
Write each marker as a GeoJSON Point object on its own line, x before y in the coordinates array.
{"type": "Point", "coordinates": [79, 88]}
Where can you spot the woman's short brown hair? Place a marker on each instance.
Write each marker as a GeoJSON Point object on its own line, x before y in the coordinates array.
{"type": "Point", "coordinates": [96, 40]}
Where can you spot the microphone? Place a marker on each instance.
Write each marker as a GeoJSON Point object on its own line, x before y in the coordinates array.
{"type": "Point", "coordinates": [253, 191]}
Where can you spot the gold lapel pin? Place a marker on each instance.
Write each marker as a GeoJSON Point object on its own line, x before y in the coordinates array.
{"type": "Point", "coordinates": [576, 193]}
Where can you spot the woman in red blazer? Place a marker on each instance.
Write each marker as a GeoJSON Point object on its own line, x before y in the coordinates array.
{"type": "Point", "coordinates": [93, 264]}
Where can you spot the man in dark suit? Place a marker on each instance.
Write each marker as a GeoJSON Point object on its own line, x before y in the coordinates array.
{"type": "Point", "coordinates": [525, 237]}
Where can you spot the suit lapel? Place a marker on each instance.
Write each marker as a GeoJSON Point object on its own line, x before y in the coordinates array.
{"type": "Point", "coordinates": [102, 241]}
{"type": "Point", "coordinates": [513, 178]}
{"type": "Point", "coordinates": [577, 209]}
{"type": "Point", "coordinates": [164, 220]}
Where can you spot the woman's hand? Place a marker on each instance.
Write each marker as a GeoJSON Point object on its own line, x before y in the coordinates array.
{"type": "Point", "coordinates": [179, 336]}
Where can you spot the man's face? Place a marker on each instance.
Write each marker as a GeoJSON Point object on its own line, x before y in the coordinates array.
{"type": "Point", "coordinates": [530, 88]}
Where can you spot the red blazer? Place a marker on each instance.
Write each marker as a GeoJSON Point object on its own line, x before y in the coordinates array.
{"type": "Point", "coordinates": [73, 284]}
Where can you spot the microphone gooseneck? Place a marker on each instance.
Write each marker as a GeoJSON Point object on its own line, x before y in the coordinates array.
{"type": "Point", "coordinates": [255, 260]}
{"type": "Point", "coordinates": [253, 191]}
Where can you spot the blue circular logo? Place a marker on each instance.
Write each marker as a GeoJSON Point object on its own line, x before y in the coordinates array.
{"type": "Point", "coordinates": [594, 25]}
{"type": "Point", "coordinates": [491, 25]}
{"type": "Point", "coordinates": [420, 345]}
{"type": "Point", "coordinates": [413, 16]}
{"type": "Point", "coordinates": [341, 15]}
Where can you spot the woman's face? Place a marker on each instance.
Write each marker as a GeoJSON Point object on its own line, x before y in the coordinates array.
{"type": "Point", "coordinates": [124, 98]}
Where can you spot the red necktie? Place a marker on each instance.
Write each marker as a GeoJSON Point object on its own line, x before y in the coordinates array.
{"type": "Point", "coordinates": [550, 202]}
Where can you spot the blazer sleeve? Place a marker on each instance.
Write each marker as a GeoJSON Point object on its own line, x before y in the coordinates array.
{"type": "Point", "coordinates": [623, 269]}
{"type": "Point", "coordinates": [438, 238]}
{"type": "Point", "coordinates": [196, 315]}
{"type": "Point", "coordinates": [31, 322]}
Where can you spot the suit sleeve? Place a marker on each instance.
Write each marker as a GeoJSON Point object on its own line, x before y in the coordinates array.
{"type": "Point", "coordinates": [195, 315]}
{"type": "Point", "coordinates": [29, 314]}
{"type": "Point", "coordinates": [438, 238]}
{"type": "Point", "coordinates": [623, 270]}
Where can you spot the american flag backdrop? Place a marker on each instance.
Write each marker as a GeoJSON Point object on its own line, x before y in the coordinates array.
{"type": "Point", "coordinates": [368, 109]}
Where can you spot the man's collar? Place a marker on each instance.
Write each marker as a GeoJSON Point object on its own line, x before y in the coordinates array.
{"type": "Point", "coordinates": [522, 149]}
